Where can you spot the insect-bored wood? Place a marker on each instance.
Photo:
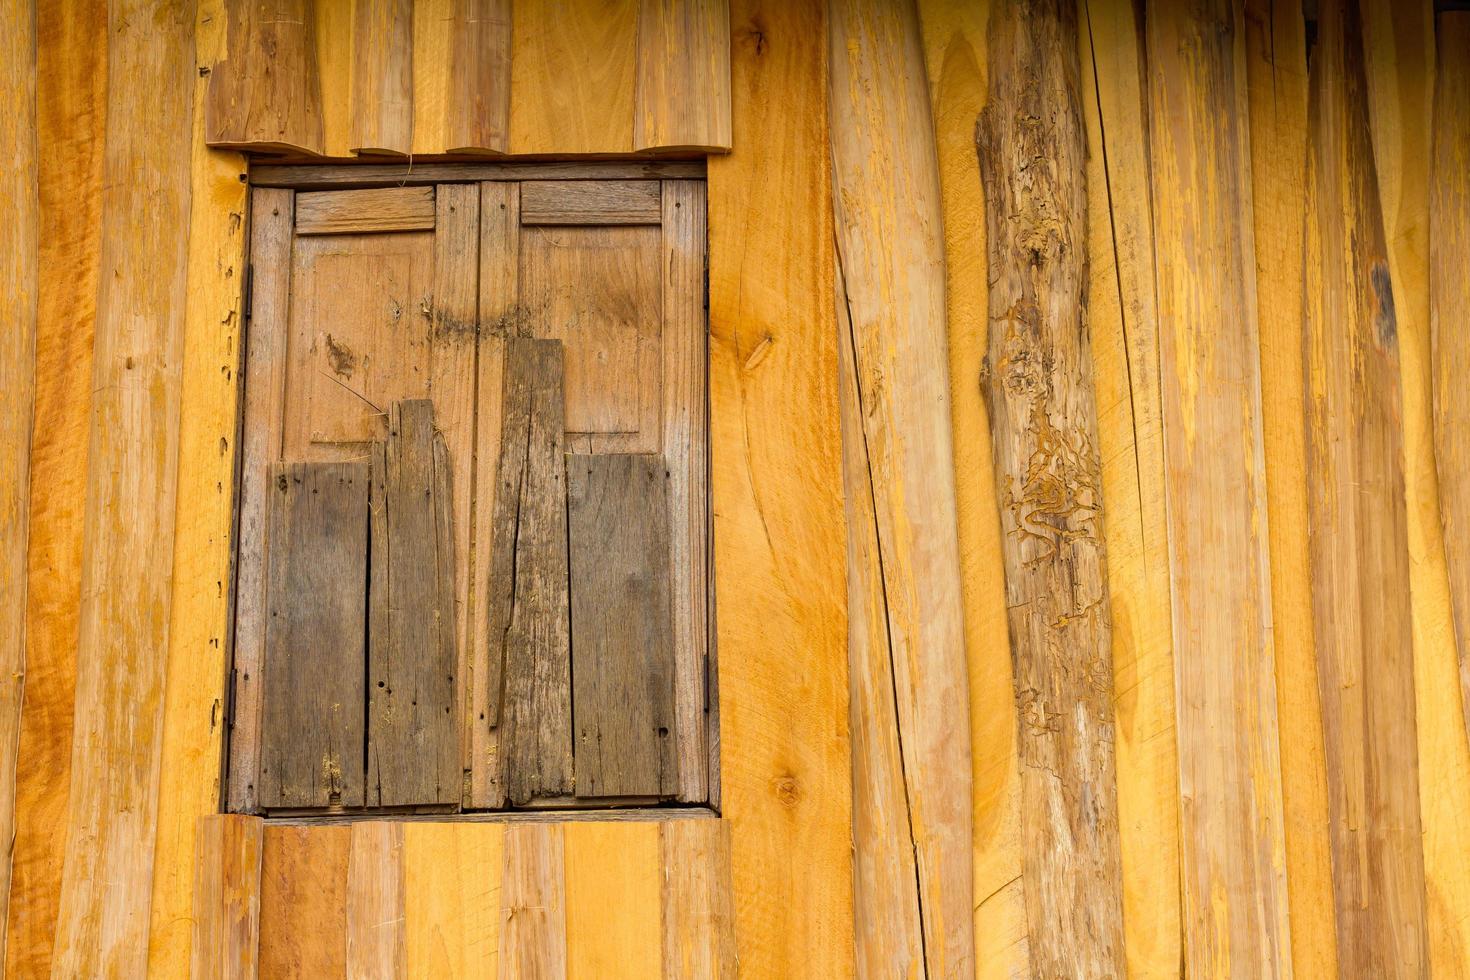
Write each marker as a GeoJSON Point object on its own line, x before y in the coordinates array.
{"type": "Point", "coordinates": [413, 745]}
{"type": "Point", "coordinates": [316, 596]}
{"type": "Point", "coordinates": [622, 652]}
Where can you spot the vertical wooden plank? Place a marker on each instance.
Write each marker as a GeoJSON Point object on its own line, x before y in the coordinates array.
{"type": "Point", "coordinates": [71, 122]}
{"type": "Point", "coordinates": [622, 650]}
{"type": "Point", "coordinates": [1276, 72]}
{"type": "Point", "coordinates": [478, 107]}
{"type": "Point", "coordinates": [1232, 848]}
{"type": "Point", "coordinates": [683, 88]}
{"type": "Point", "coordinates": [431, 82]}
{"type": "Point", "coordinates": [574, 74]}
{"type": "Point", "coordinates": [382, 76]}
{"type": "Point", "coordinates": [685, 342]}
{"type": "Point", "coordinates": [451, 901]}
{"type": "Point", "coordinates": [316, 611]}
{"type": "Point", "coordinates": [698, 917]}
{"type": "Point", "coordinates": [500, 229]}
{"type": "Point", "coordinates": [529, 630]}
{"type": "Point", "coordinates": [533, 930]}
{"type": "Point", "coordinates": [614, 871]}
{"type": "Point", "coordinates": [303, 902]}
{"type": "Point", "coordinates": [271, 219]}
{"type": "Point", "coordinates": [776, 477]}
{"type": "Point", "coordinates": [334, 66]}
{"type": "Point", "coordinates": [413, 746]}
{"type": "Point", "coordinates": [375, 919]}
{"type": "Point", "coordinates": [127, 573]}
{"type": "Point", "coordinates": [227, 887]}
{"type": "Point", "coordinates": [266, 94]}
{"type": "Point", "coordinates": [888, 233]}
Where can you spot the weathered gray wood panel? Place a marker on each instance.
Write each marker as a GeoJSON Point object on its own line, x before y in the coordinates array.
{"type": "Point", "coordinates": [316, 595]}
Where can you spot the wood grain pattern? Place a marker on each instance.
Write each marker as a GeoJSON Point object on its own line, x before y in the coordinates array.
{"type": "Point", "coordinates": [478, 106]}
{"type": "Point", "coordinates": [451, 901]}
{"type": "Point", "coordinates": [528, 615]}
{"type": "Point", "coordinates": [533, 903]}
{"type": "Point", "coordinates": [303, 902]}
{"type": "Point", "coordinates": [697, 900]}
{"type": "Point", "coordinates": [226, 912]}
{"type": "Point", "coordinates": [412, 656]}
{"type": "Point", "coordinates": [433, 22]}
{"type": "Point", "coordinates": [404, 175]}
{"type": "Point", "coordinates": [381, 209]}
{"type": "Point", "coordinates": [621, 626]}
{"type": "Point", "coordinates": [613, 202]}
{"type": "Point", "coordinates": [1358, 526]}
{"type": "Point", "coordinates": [382, 76]}
{"type": "Point", "coordinates": [1232, 860]}
{"type": "Point", "coordinates": [614, 914]}
{"type": "Point", "coordinates": [103, 920]}
{"type": "Point", "coordinates": [888, 224]}
{"type": "Point", "coordinates": [333, 21]}
{"type": "Point", "coordinates": [682, 100]}
{"type": "Point", "coordinates": [375, 896]}
{"type": "Point", "coordinates": [265, 94]}
{"type": "Point", "coordinates": [316, 614]}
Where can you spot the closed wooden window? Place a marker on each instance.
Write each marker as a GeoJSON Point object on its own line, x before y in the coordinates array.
{"type": "Point", "coordinates": [474, 533]}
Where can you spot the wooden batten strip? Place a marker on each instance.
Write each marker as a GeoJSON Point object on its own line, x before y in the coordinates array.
{"type": "Point", "coordinates": [683, 88]}
{"type": "Point", "coordinates": [1043, 420]}
{"type": "Point", "coordinates": [451, 902]}
{"type": "Point", "coordinates": [478, 107]}
{"type": "Point", "coordinates": [893, 263]}
{"type": "Point", "coordinates": [365, 211]}
{"type": "Point", "coordinates": [374, 900]}
{"type": "Point", "coordinates": [122, 648]}
{"type": "Point", "coordinates": [614, 202]}
{"type": "Point", "coordinates": [303, 902]}
{"type": "Point", "coordinates": [382, 76]}
{"type": "Point", "coordinates": [533, 903]}
{"type": "Point", "coordinates": [227, 887]}
{"type": "Point", "coordinates": [266, 93]}
{"type": "Point", "coordinates": [307, 177]}
{"type": "Point", "coordinates": [333, 23]}
{"type": "Point", "coordinates": [697, 900]}
{"type": "Point", "coordinates": [614, 913]}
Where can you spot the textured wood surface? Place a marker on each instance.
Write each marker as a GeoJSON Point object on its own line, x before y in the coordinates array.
{"type": "Point", "coordinates": [1043, 420]}
{"type": "Point", "coordinates": [451, 899]}
{"type": "Point", "coordinates": [383, 209]}
{"type": "Point", "coordinates": [308, 176]}
{"type": "Point", "coordinates": [303, 902]}
{"type": "Point", "coordinates": [478, 105]}
{"type": "Point", "coordinates": [533, 903]}
{"type": "Point", "coordinates": [614, 202]}
{"type": "Point", "coordinates": [621, 626]}
{"type": "Point", "coordinates": [573, 71]}
{"type": "Point", "coordinates": [698, 914]}
{"type": "Point", "coordinates": [316, 612]}
{"type": "Point", "coordinates": [266, 92]}
{"type": "Point", "coordinates": [382, 76]}
{"type": "Point", "coordinates": [682, 98]}
{"type": "Point", "coordinates": [888, 234]}
{"type": "Point", "coordinates": [412, 729]}
{"type": "Point", "coordinates": [226, 911]}
{"type": "Point", "coordinates": [375, 893]}
{"type": "Point", "coordinates": [614, 913]}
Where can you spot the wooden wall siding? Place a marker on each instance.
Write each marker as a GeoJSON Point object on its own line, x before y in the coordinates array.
{"type": "Point", "coordinates": [404, 77]}
{"type": "Point", "coordinates": [226, 913]}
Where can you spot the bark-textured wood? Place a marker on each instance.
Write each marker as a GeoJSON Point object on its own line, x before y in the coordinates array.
{"type": "Point", "coordinates": [382, 76]}
{"type": "Point", "coordinates": [888, 233]}
{"type": "Point", "coordinates": [528, 614]}
{"type": "Point", "coordinates": [622, 629]}
{"type": "Point", "coordinates": [381, 209]}
{"type": "Point", "coordinates": [533, 903]}
{"type": "Point", "coordinates": [316, 613]}
{"type": "Point", "coordinates": [266, 93]}
{"type": "Point", "coordinates": [303, 902]}
{"type": "Point", "coordinates": [413, 744]}
{"type": "Point", "coordinates": [683, 88]}
{"type": "Point", "coordinates": [698, 917]}
{"type": "Point", "coordinates": [1232, 858]}
{"type": "Point", "coordinates": [375, 895]}
{"type": "Point", "coordinates": [478, 105]}
{"type": "Point", "coordinates": [1358, 526]}
{"type": "Point", "coordinates": [122, 646]}
{"type": "Point", "coordinates": [226, 913]}
{"type": "Point", "coordinates": [1038, 383]}
{"type": "Point", "coordinates": [590, 202]}
{"type": "Point", "coordinates": [614, 874]}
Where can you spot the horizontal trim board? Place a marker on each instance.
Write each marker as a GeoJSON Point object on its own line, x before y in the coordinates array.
{"type": "Point", "coordinates": [633, 814]}
{"type": "Point", "coordinates": [591, 202]}
{"type": "Point", "coordinates": [313, 177]}
{"type": "Point", "coordinates": [365, 210]}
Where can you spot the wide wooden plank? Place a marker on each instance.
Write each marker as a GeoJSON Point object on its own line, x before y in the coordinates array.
{"type": "Point", "coordinates": [404, 174]}
{"type": "Point", "coordinates": [227, 887]}
{"type": "Point", "coordinates": [316, 612]}
{"type": "Point", "coordinates": [614, 873]}
{"type": "Point", "coordinates": [451, 900]}
{"type": "Point", "coordinates": [303, 902]}
{"type": "Point", "coordinates": [412, 732]}
{"type": "Point", "coordinates": [375, 896]}
{"type": "Point", "coordinates": [380, 209]}
{"type": "Point", "coordinates": [266, 92]}
{"type": "Point", "coordinates": [682, 99]}
{"type": "Point", "coordinates": [382, 76]}
{"type": "Point", "coordinates": [1358, 526]}
{"type": "Point", "coordinates": [122, 645]}
{"type": "Point", "coordinates": [698, 917]}
{"type": "Point", "coordinates": [530, 655]}
{"type": "Point", "coordinates": [478, 106]}
{"type": "Point", "coordinates": [622, 642]}
{"type": "Point", "coordinates": [888, 223]}
{"type": "Point", "coordinates": [1232, 858]}
{"type": "Point", "coordinates": [613, 202]}
{"type": "Point", "coordinates": [533, 903]}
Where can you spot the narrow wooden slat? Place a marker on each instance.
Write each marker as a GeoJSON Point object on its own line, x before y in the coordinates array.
{"type": "Point", "coordinates": [316, 611]}
{"type": "Point", "coordinates": [303, 902]}
{"type": "Point", "coordinates": [375, 895]}
{"type": "Point", "coordinates": [478, 107]}
{"type": "Point", "coordinates": [533, 903]}
{"type": "Point", "coordinates": [451, 902]}
{"type": "Point", "coordinates": [614, 873]}
{"type": "Point", "coordinates": [333, 21]}
{"type": "Point", "coordinates": [382, 76]}
{"type": "Point", "coordinates": [1043, 420]}
{"type": "Point", "coordinates": [226, 912]}
{"type": "Point", "coordinates": [683, 92]}
{"type": "Point", "coordinates": [888, 225]}
{"type": "Point", "coordinates": [622, 649]}
{"type": "Point", "coordinates": [698, 917]}
{"type": "Point", "coordinates": [1358, 526]}
{"type": "Point", "coordinates": [102, 923]}
{"type": "Point", "coordinates": [616, 202]}
{"type": "Point", "coordinates": [380, 209]}
{"type": "Point", "coordinates": [1232, 859]}
{"type": "Point", "coordinates": [433, 21]}
{"type": "Point", "coordinates": [413, 735]}
{"type": "Point", "coordinates": [266, 93]}
{"type": "Point", "coordinates": [402, 175]}
{"type": "Point", "coordinates": [530, 656]}
{"type": "Point", "coordinates": [271, 219]}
